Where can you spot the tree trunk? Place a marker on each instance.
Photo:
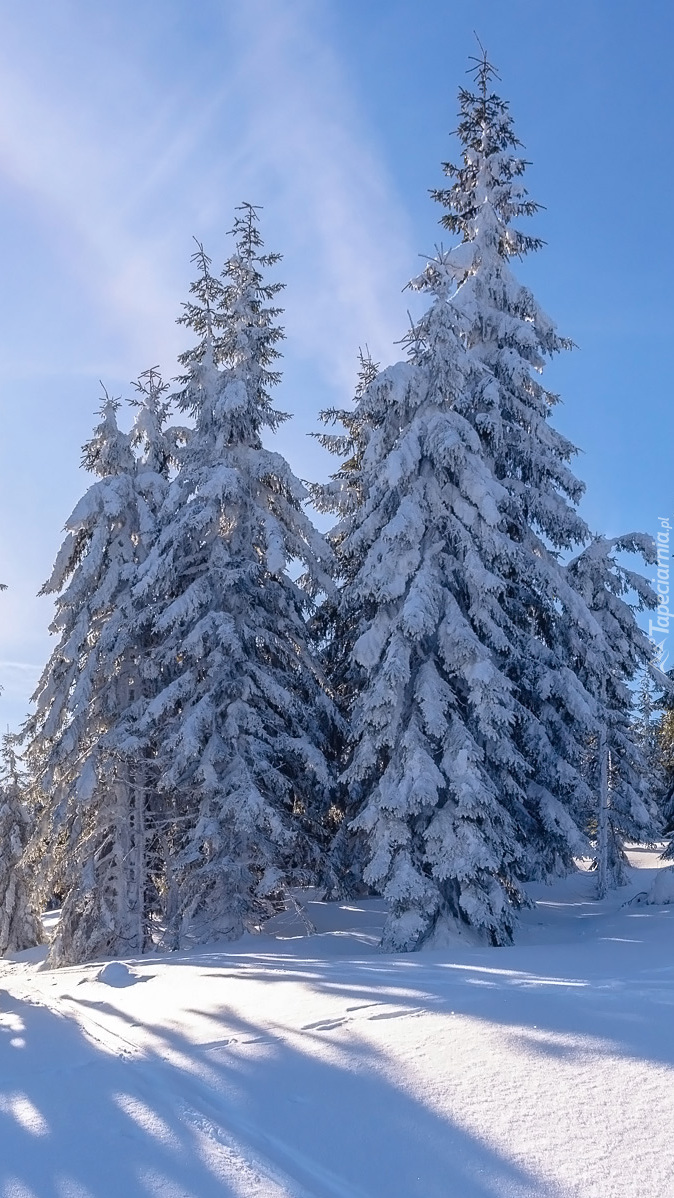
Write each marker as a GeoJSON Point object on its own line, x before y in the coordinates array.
{"type": "Point", "coordinates": [602, 819]}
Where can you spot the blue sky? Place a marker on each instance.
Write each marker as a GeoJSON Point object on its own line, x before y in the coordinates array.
{"type": "Point", "coordinates": [128, 128]}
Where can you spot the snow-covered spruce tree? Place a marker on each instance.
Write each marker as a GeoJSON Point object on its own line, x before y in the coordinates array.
{"type": "Point", "coordinates": [242, 718]}
{"type": "Point", "coordinates": [91, 846]}
{"type": "Point", "coordinates": [525, 603]}
{"type": "Point", "coordinates": [341, 617]}
{"type": "Point", "coordinates": [607, 664]}
{"type": "Point", "coordinates": [20, 926]}
{"type": "Point", "coordinates": [507, 332]}
{"type": "Point", "coordinates": [439, 784]}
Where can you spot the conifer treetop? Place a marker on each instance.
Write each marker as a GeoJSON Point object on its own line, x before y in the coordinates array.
{"type": "Point", "coordinates": [235, 319]}
{"type": "Point", "coordinates": [157, 444]}
{"type": "Point", "coordinates": [486, 182]}
{"type": "Point", "coordinates": [500, 319]}
{"type": "Point", "coordinates": [484, 71]}
{"type": "Point", "coordinates": [200, 313]}
{"type": "Point", "coordinates": [247, 344]}
{"type": "Point", "coordinates": [108, 451]}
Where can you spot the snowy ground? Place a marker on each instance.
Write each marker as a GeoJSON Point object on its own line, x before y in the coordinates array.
{"type": "Point", "coordinates": [315, 1066]}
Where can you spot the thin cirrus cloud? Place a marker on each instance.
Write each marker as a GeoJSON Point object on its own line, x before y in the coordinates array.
{"type": "Point", "coordinates": [86, 190]}
{"type": "Point", "coordinates": [110, 162]}
{"type": "Point", "coordinates": [125, 165]}
{"type": "Point", "coordinates": [342, 220]}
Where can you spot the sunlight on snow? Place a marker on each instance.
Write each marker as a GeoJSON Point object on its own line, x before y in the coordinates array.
{"type": "Point", "coordinates": [22, 1109]}
{"type": "Point", "coordinates": [515, 976]}
{"type": "Point", "coordinates": [147, 1119]}
{"type": "Point", "coordinates": [561, 1044]}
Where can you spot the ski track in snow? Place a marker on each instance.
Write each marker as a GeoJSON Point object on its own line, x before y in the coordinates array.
{"type": "Point", "coordinates": [314, 1067]}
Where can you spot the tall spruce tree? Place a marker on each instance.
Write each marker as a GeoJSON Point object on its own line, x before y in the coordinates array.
{"type": "Point", "coordinates": [506, 331]}
{"type": "Point", "coordinates": [608, 664]}
{"type": "Point", "coordinates": [242, 720]}
{"type": "Point", "coordinates": [91, 847]}
{"type": "Point", "coordinates": [477, 355]}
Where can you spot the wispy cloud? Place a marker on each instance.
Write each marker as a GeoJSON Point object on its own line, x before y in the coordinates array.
{"type": "Point", "coordinates": [345, 231]}
{"type": "Point", "coordinates": [123, 162]}
{"type": "Point", "coordinates": [85, 181]}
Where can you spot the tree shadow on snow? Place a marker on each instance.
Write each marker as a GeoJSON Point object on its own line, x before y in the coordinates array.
{"type": "Point", "coordinates": [257, 1110]}
{"type": "Point", "coordinates": [76, 1122]}
{"type": "Point", "coordinates": [621, 999]}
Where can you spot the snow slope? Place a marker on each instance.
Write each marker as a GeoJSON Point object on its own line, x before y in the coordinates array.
{"type": "Point", "coordinates": [315, 1066]}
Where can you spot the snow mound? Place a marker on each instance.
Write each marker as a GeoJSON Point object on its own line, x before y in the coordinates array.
{"type": "Point", "coordinates": [116, 973]}
{"type": "Point", "coordinates": [662, 890]}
